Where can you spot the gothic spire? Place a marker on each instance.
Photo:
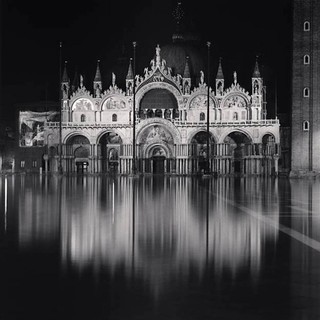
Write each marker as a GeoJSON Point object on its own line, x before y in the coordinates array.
{"type": "Point", "coordinates": [219, 72]}
{"type": "Point", "coordinates": [97, 77]}
{"type": "Point", "coordinates": [130, 71]}
{"type": "Point", "coordinates": [186, 72]}
{"type": "Point", "coordinates": [75, 82]}
{"type": "Point", "coordinates": [256, 72]}
{"type": "Point", "coordinates": [65, 77]}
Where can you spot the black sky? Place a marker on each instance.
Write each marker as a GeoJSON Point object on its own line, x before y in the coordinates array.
{"type": "Point", "coordinates": [102, 29]}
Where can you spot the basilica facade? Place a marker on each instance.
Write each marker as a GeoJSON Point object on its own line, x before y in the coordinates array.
{"type": "Point", "coordinates": [177, 125]}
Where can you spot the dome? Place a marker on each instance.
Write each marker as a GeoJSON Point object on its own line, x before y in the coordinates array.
{"type": "Point", "coordinates": [176, 53]}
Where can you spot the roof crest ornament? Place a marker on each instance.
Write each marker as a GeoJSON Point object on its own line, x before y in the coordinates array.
{"type": "Point", "coordinates": [235, 77]}
{"type": "Point", "coordinates": [158, 62]}
{"type": "Point", "coordinates": [81, 80]}
{"type": "Point", "coordinates": [81, 92]}
{"type": "Point", "coordinates": [113, 80]}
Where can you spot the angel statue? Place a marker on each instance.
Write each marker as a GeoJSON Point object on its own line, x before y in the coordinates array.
{"type": "Point", "coordinates": [113, 79]}
{"type": "Point", "coordinates": [201, 77]}
{"type": "Point", "coordinates": [235, 77]}
{"type": "Point", "coordinates": [81, 81]}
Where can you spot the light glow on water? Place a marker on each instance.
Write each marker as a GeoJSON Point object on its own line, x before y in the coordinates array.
{"type": "Point", "coordinates": [164, 243]}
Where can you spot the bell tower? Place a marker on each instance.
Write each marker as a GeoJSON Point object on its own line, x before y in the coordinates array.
{"type": "Point", "coordinates": [305, 112]}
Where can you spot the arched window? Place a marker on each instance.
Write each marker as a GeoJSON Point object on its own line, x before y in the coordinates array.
{"type": "Point", "coordinates": [114, 118]}
{"type": "Point", "coordinates": [306, 26]}
{"type": "Point", "coordinates": [202, 116]}
{"type": "Point", "coordinates": [83, 118]}
{"type": "Point", "coordinates": [306, 92]}
{"type": "Point", "coordinates": [306, 59]}
{"type": "Point", "coordinates": [305, 126]}
{"type": "Point", "coordinates": [235, 116]}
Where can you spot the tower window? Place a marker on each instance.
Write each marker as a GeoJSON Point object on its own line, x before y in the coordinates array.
{"type": "Point", "coordinates": [83, 118]}
{"type": "Point", "coordinates": [306, 92]}
{"type": "Point", "coordinates": [306, 26]}
{"type": "Point", "coordinates": [114, 118]}
{"type": "Point", "coordinates": [305, 126]}
{"type": "Point", "coordinates": [22, 163]}
{"type": "Point", "coordinates": [202, 116]}
{"type": "Point", "coordinates": [306, 59]}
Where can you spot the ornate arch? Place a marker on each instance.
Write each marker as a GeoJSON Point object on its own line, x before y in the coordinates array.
{"type": "Point", "coordinates": [114, 102]}
{"type": "Point", "coordinates": [198, 100]}
{"type": "Point", "coordinates": [82, 104]}
{"type": "Point", "coordinates": [195, 131]}
{"type": "Point", "coordinates": [76, 133]}
{"type": "Point", "coordinates": [230, 98]}
{"type": "Point", "coordinates": [147, 152]}
{"type": "Point", "coordinates": [268, 133]}
{"type": "Point", "coordinates": [161, 122]}
{"type": "Point", "coordinates": [98, 137]}
{"type": "Point", "coordinates": [225, 134]}
{"type": "Point", "coordinates": [158, 85]}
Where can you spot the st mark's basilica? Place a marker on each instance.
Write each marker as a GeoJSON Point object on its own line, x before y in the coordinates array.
{"type": "Point", "coordinates": [167, 120]}
{"type": "Point", "coordinates": [174, 129]}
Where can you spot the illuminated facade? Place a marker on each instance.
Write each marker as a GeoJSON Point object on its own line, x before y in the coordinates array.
{"type": "Point", "coordinates": [171, 136]}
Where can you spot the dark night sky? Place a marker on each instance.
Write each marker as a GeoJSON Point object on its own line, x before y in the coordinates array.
{"type": "Point", "coordinates": [239, 30]}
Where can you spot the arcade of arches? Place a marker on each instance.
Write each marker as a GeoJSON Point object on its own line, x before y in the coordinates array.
{"type": "Point", "coordinates": [158, 154]}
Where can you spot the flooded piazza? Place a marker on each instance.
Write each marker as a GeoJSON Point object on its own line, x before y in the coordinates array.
{"type": "Point", "coordinates": [159, 247]}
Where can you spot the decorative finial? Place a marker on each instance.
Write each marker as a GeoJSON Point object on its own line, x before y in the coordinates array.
{"type": "Point", "coordinates": [81, 81]}
{"type": "Point", "coordinates": [158, 59]}
{"type": "Point", "coordinates": [208, 44]}
{"type": "Point", "coordinates": [235, 77]}
{"type": "Point", "coordinates": [201, 77]}
{"type": "Point", "coordinates": [113, 79]}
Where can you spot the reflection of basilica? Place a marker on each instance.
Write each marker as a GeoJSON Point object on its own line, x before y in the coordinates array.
{"type": "Point", "coordinates": [157, 228]}
{"type": "Point", "coordinates": [171, 122]}
{"type": "Point", "coordinates": [163, 231]}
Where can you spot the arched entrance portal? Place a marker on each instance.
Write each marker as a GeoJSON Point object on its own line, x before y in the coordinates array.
{"type": "Point", "coordinates": [201, 161]}
{"type": "Point", "coordinates": [81, 155]}
{"type": "Point", "coordinates": [78, 150]}
{"type": "Point", "coordinates": [108, 152]}
{"type": "Point", "coordinates": [237, 142]}
{"type": "Point", "coordinates": [158, 161]}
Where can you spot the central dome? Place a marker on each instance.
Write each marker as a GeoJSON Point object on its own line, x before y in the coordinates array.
{"type": "Point", "coordinates": [176, 54]}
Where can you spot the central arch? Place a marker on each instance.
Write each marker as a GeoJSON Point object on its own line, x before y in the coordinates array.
{"type": "Point", "coordinates": [158, 156]}
{"type": "Point", "coordinates": [156, 148]}
{"type": "Point", "coordinates": [158, 103]}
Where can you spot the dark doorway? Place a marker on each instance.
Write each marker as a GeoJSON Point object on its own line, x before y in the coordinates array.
{"type": "Point", "coordinates": [158, 164]}
{"type": "Point", "coordinates": [237, 166]}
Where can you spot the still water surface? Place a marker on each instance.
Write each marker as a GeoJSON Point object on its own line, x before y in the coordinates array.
{"type": "Point", "coordinates": [92, 247]}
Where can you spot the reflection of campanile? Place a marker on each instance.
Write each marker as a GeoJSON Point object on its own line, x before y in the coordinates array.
{"type": "Point", "coordinates": [306, 87]}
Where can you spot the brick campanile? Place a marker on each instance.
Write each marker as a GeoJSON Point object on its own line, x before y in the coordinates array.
{"type": "Point", "coordinates": [306, 87]}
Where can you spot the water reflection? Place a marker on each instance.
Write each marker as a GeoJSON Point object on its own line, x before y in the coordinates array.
{"type": "Point", "coordinates": [180, 240]}
{"type": "Point", "coordinates": [156, 228]}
